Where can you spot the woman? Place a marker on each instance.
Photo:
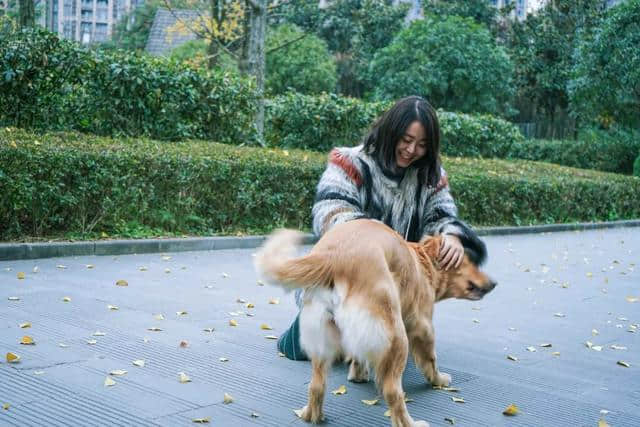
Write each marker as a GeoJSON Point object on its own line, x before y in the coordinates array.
{"type": "Point", "coordinates": [395, 177]}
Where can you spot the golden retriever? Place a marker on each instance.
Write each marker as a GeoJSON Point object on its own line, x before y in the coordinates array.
{"type": "Point", "coordinates": [369, 294]}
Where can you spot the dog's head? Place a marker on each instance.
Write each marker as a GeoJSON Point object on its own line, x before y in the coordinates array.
{"type": "Point", "coordinates": [467, 281]}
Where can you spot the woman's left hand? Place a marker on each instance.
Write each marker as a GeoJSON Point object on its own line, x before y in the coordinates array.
{"type": "Point", "coordinates": [451, 252]}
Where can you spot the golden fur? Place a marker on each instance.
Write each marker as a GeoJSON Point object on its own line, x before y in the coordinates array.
{"type": "Point", "coordinates": [369, 294]}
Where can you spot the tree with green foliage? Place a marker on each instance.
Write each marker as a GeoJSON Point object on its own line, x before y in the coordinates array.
{"type": "Point", "coordinates": [482, 11]}
{"type": "Point", "coordinates": [542, 49]}
{"type": "Point", "coordinates": [27, 13]}
{"type": "Point", "coordinates": [454, 62]}
{"type": "Point", "coordinates": [298, 61]}
{"type": "Point", "coordinates": [606, 83]}
{"type": "Point", "coordinates": [353, 29]}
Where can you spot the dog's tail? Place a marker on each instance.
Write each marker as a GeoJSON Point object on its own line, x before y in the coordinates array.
{"type": "Point", "coordinates": [277, 263]}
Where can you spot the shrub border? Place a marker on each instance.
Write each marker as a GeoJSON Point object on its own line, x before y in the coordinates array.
{"type": "Point", "coordinates": [24, 251]}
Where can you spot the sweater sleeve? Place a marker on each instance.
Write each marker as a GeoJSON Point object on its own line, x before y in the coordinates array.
{"type": "Point", "coordinates": [337, 197]}
{"type": "Point", "coordinates": [441, 217]}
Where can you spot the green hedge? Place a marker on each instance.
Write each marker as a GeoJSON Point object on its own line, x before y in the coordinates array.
{"type": "Point", "coordinates": [61, 184]}
{"type": "Point", "coordinates": [54, 84]}
{"type": "Point", "coordinates": [325, 121]}
{"type": "Point", "coordinates": [607, 150]}
{"type": "Point", "coordinates": [636, 166]}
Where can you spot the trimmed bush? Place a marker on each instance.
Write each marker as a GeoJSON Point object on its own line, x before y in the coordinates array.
{"type": "Point", "coordinates": [49, 83]}
{"type": "Point", "coordinates": [318, 122]}
{"type": "Point", "coordinates": [59, 184]}
{"type": "Point", "coordinates": [322, 122]}
{"type": "Point", "coordinates": [466, 135]}
{"type": "Point", "coordinates": [610, 151]}
{"type": "Point", "coordinates": [636, 166]}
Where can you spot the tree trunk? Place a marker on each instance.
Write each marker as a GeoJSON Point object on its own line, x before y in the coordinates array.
{"type": "Point", "coordinates": [254, 54]}
{"type": "Point", "coordinates": [218, 14]}
{"type": "Point", "coordinates": [27, 14]}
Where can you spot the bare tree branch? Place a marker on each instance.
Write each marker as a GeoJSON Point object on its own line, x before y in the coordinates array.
{"type": "Point", "coordinates": [285, 44]}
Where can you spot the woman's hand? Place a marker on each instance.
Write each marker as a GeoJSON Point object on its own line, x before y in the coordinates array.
{"type": "Point", "coordinates": [451, 252]}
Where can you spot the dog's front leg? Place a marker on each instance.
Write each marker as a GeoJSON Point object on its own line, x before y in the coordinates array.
{"type": "Point", "coordinates": [422, 339]}
{"type": "Point", "coordinates": [313, 411]}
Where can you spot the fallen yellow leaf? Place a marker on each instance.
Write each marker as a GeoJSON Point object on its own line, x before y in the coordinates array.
{"type": "Point", "coordinates": [546, 345]}
{"type": "Point", "coordinates": [27, 340]}
{"type": "Point", "coordinates": [224, 359]}
{"type": "Point", "coordinates": [63, 345]}
{"type": "Point", "coordinates": [208, 329]}
{"type": "Point", "coordinates": [603, 423]}
{"type": "Point", "coordinates": [298, 412]}
{"type": "Point", "coordinates": [158, 316]}
{"type": "Point", "coordinates": [370, 402]}
{"type": "Point", "coordinates": [183, 378]}
{"type": "Point", "coordinates": [623, 363]}
{"type": "Point", "coordinates": [227, 398]}
{"type": "Point", "coordinates": [12, 358]}
{"type": "Point", "coordinates": [113, 307]}
{"type": "Point", "coordinates": [201, 420]}
{"type": "Point", "coordinates": [66, 299]}
{"type": "Point", "coordinates": [118, 372]}
{"type": "Point", "coordinates": [254, 415]}
{"type": "Point", "coordinates": [457, 399]}
{"type": "Point", "coordinates": [632, 299]}
{"type": "Point", "coordinates": [265, 327]}
{"type": "Point", "coordinates": [92, 342]}
{"type": "Point", "coordinates": [143, 268]}
{"type": "Point", "coordinates": [387, 413]}
{"type": "Point", "coordinates": [510, 357]}
{"type": "Point", "coordinates": [14, 298]}
{"type": "Point", "coordinates": [108, 382]}
{"type": "Point", "coordinates": [271, 337]}
{"type": "Point", "coordinates": [225, 275]}
{"type": "Point", "coordinates": [61, 267]}
{"type": "Point", "coordinates": [20, 275]}
{"type": "Point", "coordinates": [555, 353]}
{"type": "Point", "coordinates": [90, 266]}
{"type": "Point", "coordinates": [250, 305]}
{"type": "Point", "coordinates": [451, 421]}
{"type": "Point", "coordinates": [122, 282]}
{"type": "Point", "coordinates": [154, 329]}
{"type": "Point", "coordinates": [511, 410]}
{"type": "Point", "coordinates": [274, 301]}
{"type": "Point", "coordinates": [233, 322]}
{"type": "Point", "coordinates": [25, 325]}
{"type": "Point", "coordinates": [181, 313]}
{"type": "Point", "coordinates": [340, 390]}
{"type": "Point", "coordinates": [260, 283]}
{"type": "Point", "coordinates": [99, 334]}
{"type": "Point", "coordinates": [531, 349]}
{"type": "Point", "coordinates": [5, 406]}
{"type": "Point", "coordinates": [139, 363]}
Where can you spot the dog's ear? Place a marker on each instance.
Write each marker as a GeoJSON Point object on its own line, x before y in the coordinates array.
{"type": "Point", "coordinates": [431, 246]}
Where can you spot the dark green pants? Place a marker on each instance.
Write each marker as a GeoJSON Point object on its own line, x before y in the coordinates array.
{"type": "Point", "coordinates": [289, 342]}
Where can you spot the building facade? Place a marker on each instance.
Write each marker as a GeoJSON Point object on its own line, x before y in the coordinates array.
{"type": "Point", "coordinates": [87, 21]}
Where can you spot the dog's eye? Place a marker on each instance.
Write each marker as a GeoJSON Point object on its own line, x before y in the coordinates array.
{"type": "Point", "coordinates": [471, 286]}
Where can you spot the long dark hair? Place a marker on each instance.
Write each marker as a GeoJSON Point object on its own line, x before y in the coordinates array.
{"type": "Point", "coordinates": [385, 133]}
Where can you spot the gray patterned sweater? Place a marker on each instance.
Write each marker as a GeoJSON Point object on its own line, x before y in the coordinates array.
{"type": "Point", "coordinates": [354, 186]}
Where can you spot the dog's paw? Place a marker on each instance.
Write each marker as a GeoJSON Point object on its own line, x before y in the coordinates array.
{"type": "Point", "coordinates": [312, 415]}
{"type": "Point", "coordinates": [442, 379]}
{"type": "Point", "coordinates": [358, 372]}
{"type": "Point", "coordinates": [420, 424]}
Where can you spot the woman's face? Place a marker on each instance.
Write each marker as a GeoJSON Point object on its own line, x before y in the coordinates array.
{"type": "Point", "coordinates": [412, 146]}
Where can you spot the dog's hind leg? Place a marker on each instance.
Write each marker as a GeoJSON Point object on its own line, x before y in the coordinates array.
{"type": "Point", "coordinates": [358, 371]}
{"type": "Point", "coordinates": [312, 412]}
{"type": "Point", "coordinates": [389, 369]}
{"type": "Point", "coordinates": [422, 339]}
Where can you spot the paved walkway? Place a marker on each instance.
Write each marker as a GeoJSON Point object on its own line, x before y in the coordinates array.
{"type": "Point", "coordinates": [564, 289]}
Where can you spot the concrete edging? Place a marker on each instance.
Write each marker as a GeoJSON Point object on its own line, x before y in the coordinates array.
{"type": "Point", "coordinates": [23, 251]}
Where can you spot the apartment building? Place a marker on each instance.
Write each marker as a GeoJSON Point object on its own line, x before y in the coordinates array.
{"type": "Point", "coordinates": [87, 21]}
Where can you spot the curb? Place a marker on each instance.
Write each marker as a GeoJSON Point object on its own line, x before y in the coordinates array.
{"type": "Point", "coordinates": [23, 251]}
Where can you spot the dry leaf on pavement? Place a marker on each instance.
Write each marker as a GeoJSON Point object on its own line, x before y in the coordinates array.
{"type": "Point", "coordinates": [25, 325]}
{"type": "Point", "coordinates": [340, 390]}
{"type": "Point", "coordinates": [122, 282]}
{"type": "Point", "coordinates": [457, 399]}
{"type": "Point", "coordinates": [139, 363]}
{"type": "Point", "coordinates": [370, 402]}
{"type": "Point", "coordinates": [118, 372]}
{"type": "Point", "coordinates": [108, 382]}
{"type": "Point", "coordinates": [12, 358]}
{"type": "Point", "coordinates": [27, 340]}
{"type": "Point", "coordinates": [201, 420]}
{"type": "Point", "coordinates": [183, 378]}
{"type": "Point", "coordinates": [227, 398]}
